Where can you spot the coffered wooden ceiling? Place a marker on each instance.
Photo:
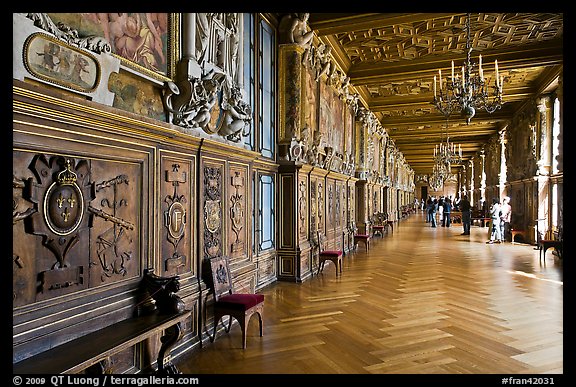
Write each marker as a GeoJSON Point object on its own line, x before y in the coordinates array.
{"type": "Point", "coordinates": [391, 59]}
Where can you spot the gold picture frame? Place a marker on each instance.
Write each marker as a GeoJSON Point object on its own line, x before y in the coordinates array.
{"type": "Point", "coordinates": [57, 62]}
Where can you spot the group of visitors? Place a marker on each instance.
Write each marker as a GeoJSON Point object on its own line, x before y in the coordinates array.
{"type": "Point", "coordinates": [500, 215]}
{"type": "Point", "coordinates": [443, 206]}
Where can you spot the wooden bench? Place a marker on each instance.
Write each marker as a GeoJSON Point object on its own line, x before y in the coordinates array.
{"type": "Point", "coordinates": [94, 349]}
{"type": "Point", "coordinates": [456, 217]}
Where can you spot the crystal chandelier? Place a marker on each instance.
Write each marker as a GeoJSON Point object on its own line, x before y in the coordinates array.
{"type": "Point", "coordinates": [440, 173]}
{"type": "Point", "coordinates": [468, 91]}
{"type": "Point", "coordinates": [447, 153]}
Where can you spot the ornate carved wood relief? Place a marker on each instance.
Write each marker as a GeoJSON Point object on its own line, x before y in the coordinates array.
{"type": "Point", "coordinates": [86, 213]}
{"type": "Point", "coordinates": [176, 208]}
{"type": "Point", "coordinates": [114, 251]}
{"type": "Point", "coordinates": [61, 192]}
{"type": "Point", "coordinates": [313, 206]}
{"type": "Point", "coordinates": [238, 212]}
{"type": "Point", "coordinates": [320, 192]}
{"type": "Point", "coordinates": [212, 209]}
{"type": "Point", "coordinates": [337, 206]}
{"type": "Point", "coordinates": [330, 217]}
{"type": "Point", "coordinates": [302, 210]}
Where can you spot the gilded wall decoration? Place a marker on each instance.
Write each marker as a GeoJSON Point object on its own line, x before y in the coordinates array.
{"type": "Point", "coordinates": [176, 213]}
{"type": "Point", "coordinates": [57, 62]}
{"type": "Point", "coordinates": [212, 211]}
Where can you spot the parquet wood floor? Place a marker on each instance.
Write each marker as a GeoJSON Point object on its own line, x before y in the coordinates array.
{"type": "Point", "coordinates": [422, 301]}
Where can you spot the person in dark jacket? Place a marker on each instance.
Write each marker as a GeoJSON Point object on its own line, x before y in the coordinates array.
{"type": "Point", "coordinates": [432, 207]}
{"type": "Point", "coordinates": [447, 204]}
{"type": "Point", "coordinates": [466, 208]}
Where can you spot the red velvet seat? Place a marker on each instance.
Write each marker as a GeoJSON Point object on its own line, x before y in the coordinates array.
{"type": "Point", "coordinates": [335, 256]}
{"type": "Point", "coordinates": [240, 306]}
{"type": "Point", "coordinates": [364, 238]}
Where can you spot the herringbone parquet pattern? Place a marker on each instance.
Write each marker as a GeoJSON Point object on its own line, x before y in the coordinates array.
{"type": "Point", "coordinates": [421, 301]}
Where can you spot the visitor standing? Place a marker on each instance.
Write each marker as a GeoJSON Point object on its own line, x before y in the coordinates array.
{"type": "Point", "coordinates": [505, 218]}
{"type": "Point", "coordinates": [465, 207]}
{"type": "Point", "coordinates": [495, 213]}
{"type": "Point", "coordinates": [446, 221]}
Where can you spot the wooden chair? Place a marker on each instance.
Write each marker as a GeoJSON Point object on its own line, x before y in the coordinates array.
{"type": "Point", "coordinates": [379, 224]}
{"type": "Point", "coordinates": [240, 306]}
{"type": "Point", "coordinates": [335, 256]}
{"type": "Point", "coordinates": [364, 238]}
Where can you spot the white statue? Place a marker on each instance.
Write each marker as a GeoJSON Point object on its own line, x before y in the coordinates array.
{"type": "Point", "coordinates": [237, 115]}
{"type": "Point", "coordinates": [293, 29]}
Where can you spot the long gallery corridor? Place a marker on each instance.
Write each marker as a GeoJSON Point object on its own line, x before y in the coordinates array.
{"type": "Point", "coordinates": [422, 301]}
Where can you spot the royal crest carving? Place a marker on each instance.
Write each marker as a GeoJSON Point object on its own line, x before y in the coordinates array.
{"type": "Point", "coordinates": [61, 194]}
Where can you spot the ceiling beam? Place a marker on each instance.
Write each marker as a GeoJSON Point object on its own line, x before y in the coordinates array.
{"type": "Point", "coordinates": [413, 102]}
{"type": "Point", "coordinates": [337, 23]}
{"type": "Point", "coordinates": [524, 56]}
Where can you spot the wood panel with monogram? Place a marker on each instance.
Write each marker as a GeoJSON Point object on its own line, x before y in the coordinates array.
{"type": "Point", "coordinates": [177, 185]}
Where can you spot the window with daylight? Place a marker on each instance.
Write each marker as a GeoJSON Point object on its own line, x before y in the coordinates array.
{"type": "Point", "coordinates": [260, 83]}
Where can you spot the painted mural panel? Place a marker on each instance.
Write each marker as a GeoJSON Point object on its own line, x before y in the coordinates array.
{"type": "Point", "coordinates": [311, 103]}
{"type": "Point", "coordinates": [331, 118]}
{"type": "Point", "coordinates": [135, 95]}
{"type": "Point", "coordinates": [349, 130]}
{"type": "Point", "coordinates": [138, 37]}
{"type": "Point", "coordinates": [55, 61]}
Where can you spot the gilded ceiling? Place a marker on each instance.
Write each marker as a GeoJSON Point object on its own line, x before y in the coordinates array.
{"type": "Point", "coordinates": [391, 59]}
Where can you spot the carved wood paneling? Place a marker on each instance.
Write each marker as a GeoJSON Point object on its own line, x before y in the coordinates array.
{"type": "Point", "coordinates": [238, 212]}
{"type": "Point", "coordinates": [177, 187]}
{"type": "Point", "coordinates": [212, 208]}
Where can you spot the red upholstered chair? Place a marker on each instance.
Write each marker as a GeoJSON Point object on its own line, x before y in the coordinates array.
{"type": "Point", "coordinates": [335, 256]}
{"type": "Point", "coordinates": [240, 306]}
{"type": "Point", "coordinates": [364, 238]}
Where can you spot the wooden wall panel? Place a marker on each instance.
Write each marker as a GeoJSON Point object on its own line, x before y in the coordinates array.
{"type": "Point", "coordinates": [178, 208]}
{"type": "Point", "coordinates": [238, 212]}
{"type": "Point", "coordinates": [211, 217]}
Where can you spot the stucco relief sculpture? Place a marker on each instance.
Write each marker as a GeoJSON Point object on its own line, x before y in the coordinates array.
{"type": "Point", "coordinates": [189, 103]}
{"type": "Point", "coordinates": [237, 116]}
{"type": "Point", "coordinates": [293, 29]}
{"type": "Point", "coordinates": [95, 44]}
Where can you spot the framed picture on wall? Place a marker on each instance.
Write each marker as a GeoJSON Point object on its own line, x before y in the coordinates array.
{"type": "Point", "coordinates": [146, 42]}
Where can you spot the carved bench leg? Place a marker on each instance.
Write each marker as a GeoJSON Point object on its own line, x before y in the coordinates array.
{"type": "Point", "coordinates": [171, 336]}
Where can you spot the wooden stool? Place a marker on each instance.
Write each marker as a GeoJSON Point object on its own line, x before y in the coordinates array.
{"type": "Point", "coordinates": [365, 238]}
{"type": "Point", "coordinates": [517, 232]}
{"type": "Point", "coordinates": [378, 229]}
